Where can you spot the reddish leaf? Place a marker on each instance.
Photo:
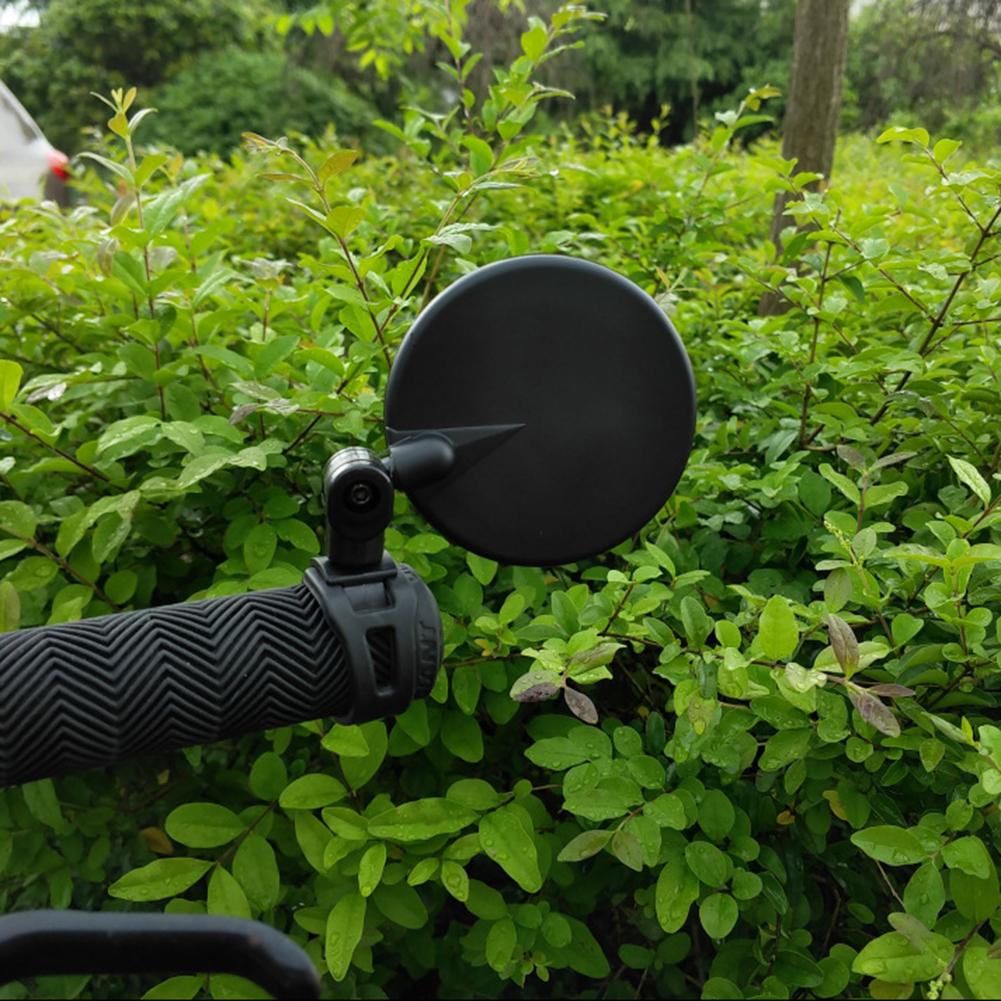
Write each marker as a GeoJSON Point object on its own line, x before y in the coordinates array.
{"type": "Point", "coordinates": [580, 705]}
{"type": "Point", "coordinates": [852, 456]}
{"type": "Point", "coordinates": [537, 693]}
{"type": "Point", "coordinates": [874, 712]}
{"type": "Point", "coordinates": [892, 460]}
{"type": "Point", "coordinates": [843, 643]}
{"type": "Point", "coordinates": [535, 686]}
{"type": "Point", "coordinates": [891, 691]}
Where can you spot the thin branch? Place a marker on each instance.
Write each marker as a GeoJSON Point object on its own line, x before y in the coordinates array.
{"type": "Point", "coordinates": [13, 422]}
{"type": "Point", "coordinates": [66, 568]}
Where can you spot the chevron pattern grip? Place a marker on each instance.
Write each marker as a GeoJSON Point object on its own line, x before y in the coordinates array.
{"type": "Point", "coordinates": [93, 692]}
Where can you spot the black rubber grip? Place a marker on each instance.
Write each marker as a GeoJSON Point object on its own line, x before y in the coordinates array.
{"type": "Point", "coordinates": [93, 692]}
{"type": "Point", "coordinates": [46, 942]}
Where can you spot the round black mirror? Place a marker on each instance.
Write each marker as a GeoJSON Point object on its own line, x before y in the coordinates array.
{"type": "Point", "coordinates": [569, 401]}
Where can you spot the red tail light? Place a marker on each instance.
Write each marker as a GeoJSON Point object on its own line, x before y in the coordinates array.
{"type": "Point", "coordinates": [59, 164]}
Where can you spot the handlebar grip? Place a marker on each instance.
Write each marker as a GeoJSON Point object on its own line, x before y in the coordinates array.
{"type": "Point", "coordinates": [90, 693]}
{"type": "Point", "coordinates": [46, 942]}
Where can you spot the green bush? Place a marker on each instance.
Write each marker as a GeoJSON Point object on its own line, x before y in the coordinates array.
{"type": "Point", "coordinates": [78, 48]}
{"type": "Point", "coordinates": [219, 96]}
{"type": "Point", "coordinates": [792, 787]}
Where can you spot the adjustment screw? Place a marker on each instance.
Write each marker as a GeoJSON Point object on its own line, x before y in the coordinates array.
{"type": "Point", "coordinates": [361, 496]}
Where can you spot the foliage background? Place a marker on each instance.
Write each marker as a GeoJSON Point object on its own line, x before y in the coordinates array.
{"type": "Point", "coordinates": [934, 61]}
{"type": "Point", "coordinates": [792, 785]}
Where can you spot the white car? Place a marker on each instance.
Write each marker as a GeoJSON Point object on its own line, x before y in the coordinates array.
{"type": "Point", "coordinates": [30, 165]}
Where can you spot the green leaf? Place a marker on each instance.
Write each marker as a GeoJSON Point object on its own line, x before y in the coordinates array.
{"type": "Point", "coordinates": [481, 156]}
{"type": "Point", "coordinates": [584, 845]}
{"type": "Point", "coordinates": [944, 148]}
{"type": "Point", "coordinates": [745, 885]}
{"type": "Point", "coordinates": [401, 904]}
{"type": "Point", "coordinates": [873, 249]}
{"type": "Point", "coordinates": [18, 519]}
{"type": "Point", "coordinates": [841, 481]}
{"type": "Point", "coordinates": [506, 841]}
{"type": "Point", "coordinates": [718, 914]}
{"type": "Point", "coordinates": [677, 888]}
{"type": "Point", "coordinates": [711, 865]}
{"type": "Point", "coordinates": [837, 589]}
{"type": "Point", "coordinates": [904, 628]}
{"type": "Point", "coordinates": [895, 958]}
{"type": "Point", "coordinates": [667, 810]}
{"type": "Point", "coordinates": [121, 586]}
{"type": "Point", "coordinates": [481, 568]}
{"type": "Point", "coordinates": [414, 723]}
{"type": "Point", "coordinates": [584, 955]}
{"type": "Point", "coordinates": [256, 868]}
{"type": "Point", "coordinates": [127, 436]}
{"type": "Point", "coordinates": [485, 902]}
{"type": "Point", "coordinates": [203, 825]}
{"type": "Point", "coordinates": [557, 753]}
{"type": "Point", "coordinates": [716, 815]}
{"type": "Point", "coordinates": [501, 940]}
{"type": "Point", "coordinates": [336, 163]}
{"type": "Point", "coordinates": [358, 771]}
{"type": "Point", "coordinates": [455, 880]}
{"type": "Point", "coordinates": [627, 849]}
{"type": "Point", "coordinates": [533, 42]}
{"type": "Point", "coordinates": [347, 740]}
{"type": "Point", "coordinates": [345, 925]}
{"type": "Point", "coordinates": [259, 548]}
{"type": "Point", "coordinates": [477, 794]}
{"type": "Point", "coordinates": [982, 970]}
{"type": "Point", "coordinates": [970, 477]}
{"type": "Point", "coordinates": [370, 868]}
{"type": "Point", "coordinates": [890, 844]}
{"type": "Point", "coordinates": [10, 382]}
{"type": "Point", "coordinates": [268, 776]}
{"type": "Point", "coordinates": [420, 820]}
{"type": "Point", "coordinates": [344, 219]}
{"type": "Point", "coordinates": [969, 855]}
{"type": "Point", "coordinates": [346, 823]}
{"type": "Point", "coordinates": [310, 792]}
{"type": "Point", "coordinates": [556, 930]}
{"type": "Point", "coordinates": [10, 607]}
{"type": "Point", "coordinates": [613, 798]}
{"type": "Point", "coordinates": [784, 747]}
{"type": "Point", "coordinates": [466, 685]}
{"type": "Point", "coordinates": [897, 133]}
{"type": "Point", "coordinates": [924, 895]}
{"type": "Point", "coordinates": [300, 535]}
{"type": "Point", "coordinates": [32, 573]}
{"type": "Point", "coordinates": [184, 434]}
{"type": "Point", "coordinates": [42, 803]}
{"type": "Point", "coordinates": [976, 899]}
{"type": "Point", "coordinates": [163, 878]}
{"type": "Point", "coordinates": [174, 989]}
{"type": "Point", "coordinates": [229, 987]}
{"type": "Point", "coordinates": [423, 871]}
{"type": "Point", "coordinates": [462, 736]}
{"type": "Point", "coordinates": [226, 896]}
{"type": "Point", "coordinates": [697, 624]}
{"type": "Point", "coordinates": [778, 634]}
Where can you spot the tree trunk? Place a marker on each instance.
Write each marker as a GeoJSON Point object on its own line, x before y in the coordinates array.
{"type": "Point", "coordinates": [810, 128]}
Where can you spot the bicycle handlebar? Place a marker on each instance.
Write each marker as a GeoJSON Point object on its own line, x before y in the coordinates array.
{"type": "Point", "coordinates": [93, 692]}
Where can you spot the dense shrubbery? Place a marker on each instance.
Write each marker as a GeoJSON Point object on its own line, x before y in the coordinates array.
{"type": "Point", "coordinates": [81, 47]}
{"type": "Point", "coordinates": [258, 90]}
{"type": "Point", "coordinates": [793, 785]}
